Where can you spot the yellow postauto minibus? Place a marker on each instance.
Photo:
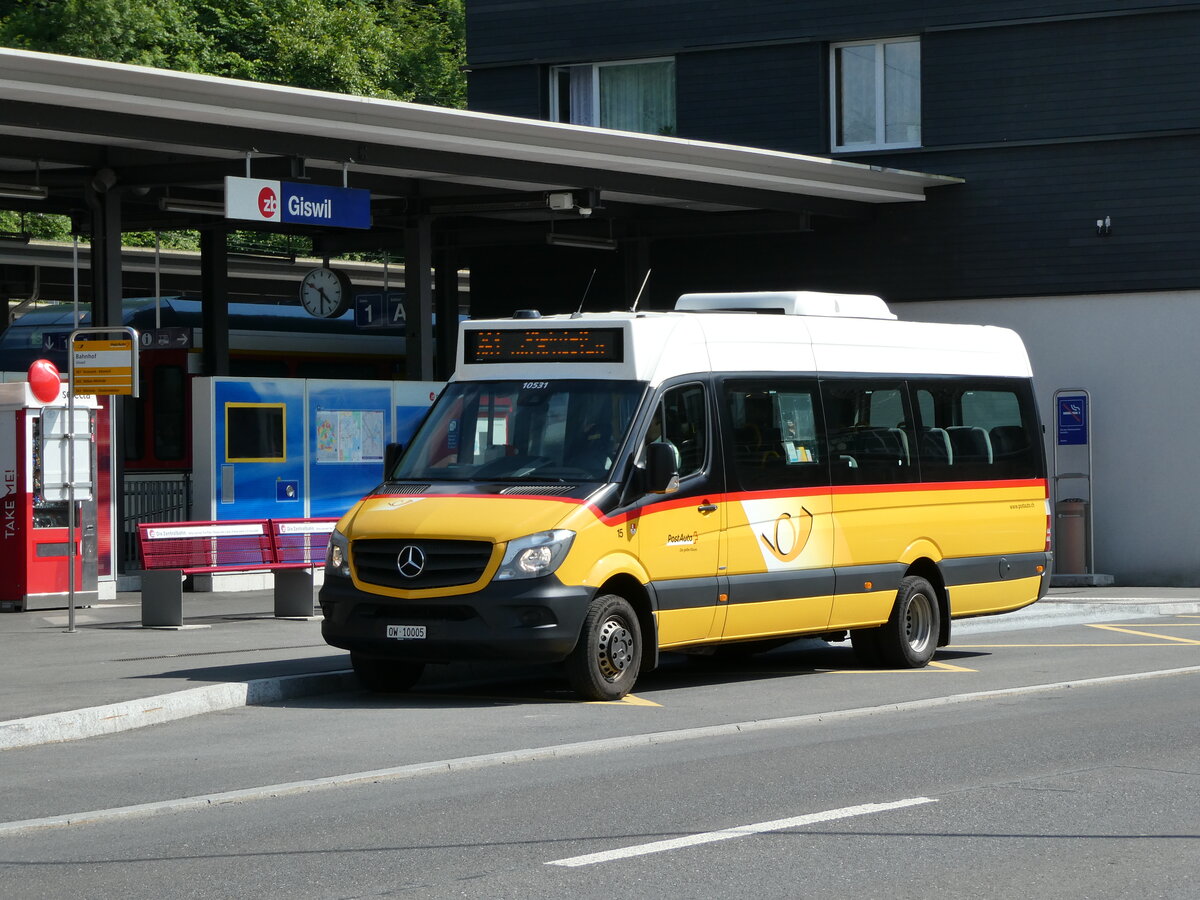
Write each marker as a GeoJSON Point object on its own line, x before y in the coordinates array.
{"type": "Point", "coordinates": [745, 469]}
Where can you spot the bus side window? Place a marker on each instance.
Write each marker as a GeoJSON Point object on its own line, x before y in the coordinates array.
{"type": "Point", "coordinates": [682, 421]}
{"type": "Point", "coordinates": [774, 433]}
{"type": "Point", "coordinates": [976, 429]}
{"type": "Point", "coordinates": [870, 435]}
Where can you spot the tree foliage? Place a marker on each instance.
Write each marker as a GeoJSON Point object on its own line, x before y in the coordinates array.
{"type": "Point", "coordinates": [409, 50]}
{"type": "Point", "coordinates": [398, 49]}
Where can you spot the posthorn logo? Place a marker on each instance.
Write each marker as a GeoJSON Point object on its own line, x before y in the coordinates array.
{"type": "Point", "coordinates": [410, 562]}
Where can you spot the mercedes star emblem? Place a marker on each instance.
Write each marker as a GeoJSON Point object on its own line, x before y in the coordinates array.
{"type": "Point", "coordinates": [410, 561]}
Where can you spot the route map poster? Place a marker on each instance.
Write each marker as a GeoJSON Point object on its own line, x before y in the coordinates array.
{"type": "Point", "coordinates": [350, 435]}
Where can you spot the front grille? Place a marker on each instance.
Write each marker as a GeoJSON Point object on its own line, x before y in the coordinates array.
{"type": "Point", "coordinates": [446, 563]}
{"type": "Point", "coordinates": [415, 612]}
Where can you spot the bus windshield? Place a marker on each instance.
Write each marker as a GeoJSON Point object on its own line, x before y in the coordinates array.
{"type": "Point", "coordinates": [555, 430]}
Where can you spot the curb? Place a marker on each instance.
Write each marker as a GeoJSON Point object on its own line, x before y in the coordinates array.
{"type": "Point", "coordinates": [113, 718]}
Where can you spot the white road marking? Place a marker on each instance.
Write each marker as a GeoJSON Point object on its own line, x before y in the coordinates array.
{"type": "Point", "coordinates": [726, 834]}
{"type": "Point", "coordinates": [561, 751]}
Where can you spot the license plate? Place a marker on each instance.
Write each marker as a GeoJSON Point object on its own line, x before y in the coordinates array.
{"type": "Point", "coordinates": [406, 632]}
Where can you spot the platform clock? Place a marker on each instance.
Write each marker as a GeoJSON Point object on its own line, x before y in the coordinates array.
{"type": "Point", "coordinates": [325, 292]}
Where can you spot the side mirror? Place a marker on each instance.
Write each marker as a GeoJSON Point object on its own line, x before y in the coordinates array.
{"type": "Point", "coordinates": [662, 469]}
{"type": "Point", "coordinates": [391, 456]}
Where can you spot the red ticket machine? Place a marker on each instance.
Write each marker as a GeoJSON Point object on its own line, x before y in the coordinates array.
{"type": "Point", "coordinates": [36, 437]}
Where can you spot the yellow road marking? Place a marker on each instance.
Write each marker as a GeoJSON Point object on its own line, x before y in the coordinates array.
{"type": "Point", "coordinates": [949, 668]}
{"type": "Point", "coordinates": [1164, 640]}
{"type": "Point", "coordinates": [627, 700]}
{"type": "Point", "coordinates": [991, 646]}
{"type": "Point", "coordinates": [1133, 630]}
{"type": "Point", "coordinates": [932, 665]}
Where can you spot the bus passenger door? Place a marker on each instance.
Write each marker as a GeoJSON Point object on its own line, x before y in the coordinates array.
{"type": "Point", "coordinates": [680, 533]}
{"type": "Point", "coordinates": [780, 527]}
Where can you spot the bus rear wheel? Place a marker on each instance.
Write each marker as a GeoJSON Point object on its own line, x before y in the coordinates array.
{"type": "Point", "coordinates": [908, 639]}
{"type": "Point", "coordinates": [606, 660]}
{"type": "Point", "coordinates": [385, 676]}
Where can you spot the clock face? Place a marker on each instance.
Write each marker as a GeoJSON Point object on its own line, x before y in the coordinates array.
{"type": "Point", "coordinates": [325, 293]}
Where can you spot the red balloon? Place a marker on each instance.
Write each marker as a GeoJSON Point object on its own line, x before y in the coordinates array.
{"type": "Point", "coordinates": [44, 380]}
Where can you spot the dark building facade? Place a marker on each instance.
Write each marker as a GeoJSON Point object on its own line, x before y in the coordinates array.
{"type": "Point", "coordinates": [1056, 115]}
{"type": "Point", "coordinates": [1073, 124]}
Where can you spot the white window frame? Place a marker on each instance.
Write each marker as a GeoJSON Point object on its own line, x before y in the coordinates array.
{"type": "Point", "coordinates": [880, 142]}
{"type": "Point", "coordinates": [555, 114]}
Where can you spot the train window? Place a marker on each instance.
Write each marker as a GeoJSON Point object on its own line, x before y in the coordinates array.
{"type": "Point", "coordinates": [255, 432]}
{"type": "Point", "coordinates": [258, 368]}
{"type": "Point", "coordinates": [169, 412]}
{"type": "Point", "coordinates": [324, 368]}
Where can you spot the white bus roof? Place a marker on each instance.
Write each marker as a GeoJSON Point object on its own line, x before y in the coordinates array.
{"type": "Point", "coordinates": [806, 338]}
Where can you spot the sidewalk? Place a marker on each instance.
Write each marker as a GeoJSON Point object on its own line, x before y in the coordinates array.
{"type": "Point", "coordinates": [232, 652]}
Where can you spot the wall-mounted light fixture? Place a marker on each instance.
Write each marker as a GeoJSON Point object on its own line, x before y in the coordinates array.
{"type": "Point", "coordinates": [201, 207]}
{"type": "Point", "coordinates": [585, 243]}
{"type": "Point", "coordinates": [24, 191]}
{"type": "Point", "coordinates": [1104, 226]}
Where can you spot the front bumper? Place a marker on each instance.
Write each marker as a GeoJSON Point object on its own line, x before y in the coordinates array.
{"type": "Point", "coordinates": [534, 621]}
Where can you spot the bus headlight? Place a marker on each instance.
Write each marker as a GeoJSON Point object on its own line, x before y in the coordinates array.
{"type": "Point", "coordinates": [534, 555]}
{"type": "Point", "coordinates": [337, 556]}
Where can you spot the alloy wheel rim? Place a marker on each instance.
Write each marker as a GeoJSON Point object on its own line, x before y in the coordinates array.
{"type": "Point", "coordinates": [615, 649]}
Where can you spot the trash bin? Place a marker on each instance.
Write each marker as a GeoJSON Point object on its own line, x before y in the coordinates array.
{"type": "Point", "coordinates": [1070, 536]}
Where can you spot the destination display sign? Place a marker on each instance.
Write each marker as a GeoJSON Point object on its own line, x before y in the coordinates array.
{"type": "Point", "coordinates": [264, 200]}
{"type": "Point", "coordinates": [102, 367]}
{"type": "Point", "coordinates": [538, 345]}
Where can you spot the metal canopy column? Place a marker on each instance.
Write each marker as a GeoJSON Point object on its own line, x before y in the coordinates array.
{"type": "Point", "coordinates": [418, 300]}
{"type": "Point", "coordinates": [107, 292]}
{"type": "Point", "coordinates": [214, 293]}
{"type": "Point", "coordinates": [108, 310]}
{"type": "Point", "coordinates": [446, 282]}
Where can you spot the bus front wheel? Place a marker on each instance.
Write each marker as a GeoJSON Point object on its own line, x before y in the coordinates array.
{"type": "Point", "coordinates": [908, 639]}
{"type": "Point", "coordinates": [606, 660]}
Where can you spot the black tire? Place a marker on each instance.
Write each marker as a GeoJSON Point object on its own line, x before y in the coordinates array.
{"type": "Point", "coordinates": [606, 660]}
{"type": "Point", "coordinates": [909, 637]}
{"type": "Point", "coordinates": [865, 642]}
{"type": "Point", "coordinates": [386, 676]}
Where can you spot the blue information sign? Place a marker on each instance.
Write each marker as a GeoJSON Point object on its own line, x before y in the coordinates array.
{"type": "Point", "coordinates": [1072, 420]}
{"type": "Point", "coordinates": [379, 311]}
{"type": "Point", "coordinates": [262, 200]}
{"type": "Point", "coordinates": [318, 204]}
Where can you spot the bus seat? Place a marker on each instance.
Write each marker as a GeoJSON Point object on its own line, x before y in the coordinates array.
{"type": "Point", "coordinates": [1008, 441]}
{"type": "Point", "coordinates": [935, 446]}
{"type": "Point", "coordinates": [970, 444]}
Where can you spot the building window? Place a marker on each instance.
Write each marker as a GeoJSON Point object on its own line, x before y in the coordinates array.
{"type": "Point", "coordinates": [876, 94]}
{"type": "Point", "coordinates": [628, 96]}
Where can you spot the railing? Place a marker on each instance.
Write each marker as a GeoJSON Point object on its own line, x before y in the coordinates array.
{"type": "Point", "coordinates": [153, 498]}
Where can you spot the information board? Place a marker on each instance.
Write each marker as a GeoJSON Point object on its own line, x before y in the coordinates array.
{"type": "Point", "coordinates": [103, 367]}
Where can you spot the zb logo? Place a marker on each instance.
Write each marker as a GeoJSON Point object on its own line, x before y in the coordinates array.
{"type": "Point", "coordinates": [791, 535]}
{"type": "Point", "coordinates": [268, 203]}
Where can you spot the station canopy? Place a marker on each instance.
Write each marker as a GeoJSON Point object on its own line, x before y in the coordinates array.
{"type": "Point", "coordinates": [164, 141]}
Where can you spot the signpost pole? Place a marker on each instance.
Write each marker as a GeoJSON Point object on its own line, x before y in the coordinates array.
{"type": "Point", "coordinates": [104, 378]}
{"type": "Point", "coordinates": [72, 556]}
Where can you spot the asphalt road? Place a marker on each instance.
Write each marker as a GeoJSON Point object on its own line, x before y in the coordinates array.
{"type": "Point", "coordinates": [1062, 761]}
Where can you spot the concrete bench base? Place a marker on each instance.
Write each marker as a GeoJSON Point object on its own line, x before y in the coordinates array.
{"type": "Point", "coordinates": [162, 594]}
